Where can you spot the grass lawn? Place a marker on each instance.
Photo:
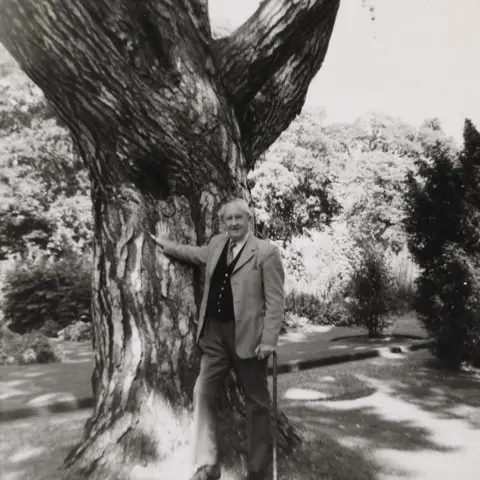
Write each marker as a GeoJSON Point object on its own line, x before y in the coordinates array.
{"type": "Point", "coordinates": [421, 423]}
{"type": "Point", "coordinates": [382, 419]}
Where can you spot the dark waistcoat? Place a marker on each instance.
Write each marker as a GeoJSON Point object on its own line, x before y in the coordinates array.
{"type": "Point", "coordinates": [220, 298]}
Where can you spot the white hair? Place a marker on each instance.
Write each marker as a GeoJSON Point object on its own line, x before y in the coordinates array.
{"type": "Point", "coordinates": [240, 202]}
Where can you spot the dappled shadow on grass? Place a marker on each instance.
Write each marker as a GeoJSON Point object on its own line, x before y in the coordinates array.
{"type": "Point", "coordinates": [364, 426]}
{"type": "Point", "coordinates": [421, 422]}
{"type": "Point", "coordinates": [446, 394]}
{"type": "Point", "coordinates": [418, 424]}
{"type": "Point", "coordinates": [25, 386]}
{"type": "Point", "coordinates": [319, 457]}
{"type": "Point", "coordinates": [343, 385]}
{"type": "Point", "coordinates": [322, 457]}
{"type": "Point", "coordinates": [35, 448]}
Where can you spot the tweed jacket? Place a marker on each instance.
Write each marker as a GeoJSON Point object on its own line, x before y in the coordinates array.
{"type": "Point", "coordinates": [257, 287]}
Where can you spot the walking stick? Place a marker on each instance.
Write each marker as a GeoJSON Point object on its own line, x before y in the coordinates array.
{"type": "Point", "coordinates": [275, 420]}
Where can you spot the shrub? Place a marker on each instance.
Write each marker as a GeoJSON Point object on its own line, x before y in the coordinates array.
{"type": "Point", "coordinates": [36, 292]}
{"type": "Point", "coordinates": [293, 262]}
{"type": "Point", "coordinates": [442, 222]}
{"type": "Point", "coordinates": [435, 208]}
{"type": "Point", "coordinates": [303, 304]}
{"type": "Point", "coordinates": [403, 273]}
{"type": "Point", "coordinates": [50, 328]}
{"type": "Point", "coordinates": [336, 312]}
{"type": "Point", "coordinates": [77, 332]}
{"type": "Point", "coordinates": [330, 257]}
{"type": "Point", "coordinates": [448, 303]}
{"type": "Point", "coordinates": [293, 322]}
{"type": "Point", "coordinates": [29, 348]}
{"type": "Point", "coordinates": [321, 311]}
{"type": "Point", "coordinates": [369, 291]}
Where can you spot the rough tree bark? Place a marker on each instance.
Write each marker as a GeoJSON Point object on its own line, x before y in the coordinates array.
{"type": "Point", "coordinates": [168, 121]}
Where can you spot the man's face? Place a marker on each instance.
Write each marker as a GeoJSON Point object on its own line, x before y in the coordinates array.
{"type": "Point", "coordinates": [236, 221]}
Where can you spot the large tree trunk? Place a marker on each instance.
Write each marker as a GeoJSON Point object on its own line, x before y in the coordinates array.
{"type": "Point", "coordinates": [168, 121]}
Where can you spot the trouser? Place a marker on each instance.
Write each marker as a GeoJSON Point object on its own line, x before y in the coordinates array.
{"type": "Point", "coordinates": [218, 357]}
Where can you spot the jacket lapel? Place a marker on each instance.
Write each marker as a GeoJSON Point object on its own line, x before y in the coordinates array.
{"type": "Point", "coordinates": [247, 252]}
{"type": "Point", "coordinates": [216, 254]}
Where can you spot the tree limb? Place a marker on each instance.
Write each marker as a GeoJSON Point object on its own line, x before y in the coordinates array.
{"type": "Point", "coordinates": [282, 96]}
{"type": "Point", "coordinates": [198, 13]}
{"type": "Point", "coordinates": [266, 41]}
{"type": "Point", "coordinates": [138, 76]}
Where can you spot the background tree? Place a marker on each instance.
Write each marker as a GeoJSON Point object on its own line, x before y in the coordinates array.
{"type": "Point", "coordinates": [376, 154]}
{"type": "Point", "coordinates": [369, 289]}
{"type": "Point", "coordinates": [325, 190]}
{"type": "Point", "coordinates": [168, 121]}
{"type": "Point", "coordinates": [291, 189]}
{"type": "Point", "coordinates": [45, 212]}
{"type": "Point", "coordinates": [45, 206]}
{"type": "Point", "coordinates": [443, 230]}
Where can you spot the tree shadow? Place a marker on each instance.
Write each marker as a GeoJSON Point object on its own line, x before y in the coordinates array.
{"type": "Point", "coordinates": [418, 415]}
{"type": "Point", "coordinates": [323, 457]}
{"type": "Point", "coordinates": [364, 426]}
{"type": "Point", "coordinates": [318, 457]}
{"type": "Point", "coordinates": [344, 441]}
{"type": "Point", "coordinates": [37, 386]}
{"type": "Point", "coordinates": [36, 447]}
{"type": "Point", "coordinates": [447, 394]}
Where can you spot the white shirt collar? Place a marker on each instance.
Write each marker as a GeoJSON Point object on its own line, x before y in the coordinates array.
{"type": "Point", "coordinates": [240, 243]}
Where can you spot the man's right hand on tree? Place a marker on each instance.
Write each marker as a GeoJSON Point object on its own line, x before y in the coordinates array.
{"type": "Point", "coordinates": [161, 239]}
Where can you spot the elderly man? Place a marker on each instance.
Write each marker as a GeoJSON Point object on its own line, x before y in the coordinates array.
{"type": "Point", "coordinates": [240, 319]}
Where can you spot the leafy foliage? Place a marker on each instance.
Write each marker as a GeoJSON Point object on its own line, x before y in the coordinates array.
{"type": "Point", "coordinates": [29, 348]}
{"type": "Point", "coordinates": [303, 304]}
{"type": "Point", "coordinates": [402, 271]}
{"type": "Point", "coordinates": [444, 237]}
{"type": "Point", "coordinates": [435, 207]}
{"type": "Point", "coordinates": [365, 165]}
{"type": "Point", "coordinates": [41, 291]}
{"type": "Point", "coordinates": [44, 187]}
{"type": "Point", "coordinates": [319, 191]}
{"type": "Point", "coordinates": [292, 192]}
{"type": "Point", "coordinates": [369, 292]}
{"type": "Point", "coordinates": [448, 304]}
{"type": "Point", "coordinates": [293, 262]}
{"type": "Point", "coordinates": [318, 310]}
{"type": "Point", "coordinates": [373, 200]}
{"type": "Point", "coordinates": [376, 154]}
{"type": "Point", "coordinates": [330, 259]}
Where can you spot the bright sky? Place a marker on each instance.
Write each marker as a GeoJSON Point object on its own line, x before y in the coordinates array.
{"type": "Point", "coordinates": [418, 59]}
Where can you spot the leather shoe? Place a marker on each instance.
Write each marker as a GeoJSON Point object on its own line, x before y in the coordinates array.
{"type": "Point", "coordinates": [207, 472]}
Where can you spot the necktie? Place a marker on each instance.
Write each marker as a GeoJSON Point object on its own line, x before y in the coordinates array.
{"type": "Point", "coordinates": [230, 255]}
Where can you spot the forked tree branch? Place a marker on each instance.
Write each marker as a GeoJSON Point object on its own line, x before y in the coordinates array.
{"type": "Point", "coordinates": [197, 11]}
{"type": "Point", "coordinates": [276, 32]}
{"type": "Point", "coordinates": [283, 95]}
{"type": "Point", "coordinates": [136, 79]}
